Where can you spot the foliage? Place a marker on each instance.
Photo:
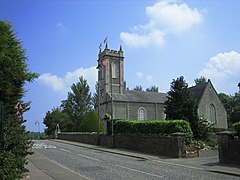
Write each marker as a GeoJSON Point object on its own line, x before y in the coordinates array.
{"type": "Point", "coordinates": [236, 127]}
{"type": "Point", "coordinates": [203, 130]}
{"type": "Point", "coordinates": [90, 123]}
{"type": "Point", "coordinates": [13, 75]}
{"type": "Point", "coordinates": [78, 102]}
{"type": "Point", "coordinates": [232, 105]}
{"type": "Point", "coordinates": [200, 80]}
{"type": "Point", "coordinates": [152, 127]}
{"type": "Point", "coordinates": [138, 88]}
{"type": "Point", "coordinates": [153, 89]}
{"type": "Point", "coordinates": [235, 114]}
{"type": "Point", "coordinates": [37, 135]}
{"type": "Point", "coordinates": [95, 96]}
{"type": "Point", "coordinates": [179, 104]}
{"type": "Point", "coordinates": [56, 116]}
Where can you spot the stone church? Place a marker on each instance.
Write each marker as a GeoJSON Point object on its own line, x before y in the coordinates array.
{"type": "Point", "coordinates": [120, 103]}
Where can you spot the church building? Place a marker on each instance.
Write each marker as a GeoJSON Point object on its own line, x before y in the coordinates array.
{"type": "Point", "coordinates": [120, 103]}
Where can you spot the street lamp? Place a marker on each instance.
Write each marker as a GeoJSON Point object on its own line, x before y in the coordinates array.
{"type": "Point", "coordinates": [37, 122]}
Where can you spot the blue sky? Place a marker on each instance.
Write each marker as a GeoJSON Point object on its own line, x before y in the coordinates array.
{"type": "Point", "coordinates": [161, 40]}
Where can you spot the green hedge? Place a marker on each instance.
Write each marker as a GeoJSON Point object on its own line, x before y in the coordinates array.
{"type": "Point", "coordinates": [152, 127]}
{"type": "Point", "coordinates": [236, 127]}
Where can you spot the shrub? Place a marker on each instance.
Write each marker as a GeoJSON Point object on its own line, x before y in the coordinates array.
{"type": "Point", "coordinates": [152, 127]}
{"type": "Point", "coordinates": [90, 123]}
{"type": "Point", "coordinates": [236, 127]}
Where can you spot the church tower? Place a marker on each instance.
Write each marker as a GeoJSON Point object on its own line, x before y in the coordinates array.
{"type": "Point", "coordinates": [110, 74]}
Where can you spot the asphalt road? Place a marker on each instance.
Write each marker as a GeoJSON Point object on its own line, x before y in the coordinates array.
{"type": "Point", "coordinates": [97, 164]}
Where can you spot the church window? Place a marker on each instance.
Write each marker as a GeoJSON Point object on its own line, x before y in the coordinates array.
{"type": "Point", "coordinates": [142, 115]}
{"type": "Point", "coordinates": [114, 69]}
{"type": "Point", "coordinates": [212, 111]}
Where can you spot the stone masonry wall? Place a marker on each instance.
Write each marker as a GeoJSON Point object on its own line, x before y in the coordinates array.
{"type": "Point", "coordinates": [170, 146]}
{"type": "Point", "coordinates": [229, 148]}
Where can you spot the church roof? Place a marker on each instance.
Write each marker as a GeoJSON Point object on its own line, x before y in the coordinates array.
{"type": "Point", "coordinates": [155, 97]}
{"type": "Point", "coordinates": [197, 91]}
{"type": "Point", "coordinates": [140, 96]}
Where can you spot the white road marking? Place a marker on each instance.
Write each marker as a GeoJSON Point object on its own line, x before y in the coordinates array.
{"type": "Point", "coordinates": [65, 150]}
{"type": "Point", "coordinates": [143, 172]}
{"type": "Point", "coordinates": [89, 157]}
{"type": "Point", "coordinates": [181, 165]}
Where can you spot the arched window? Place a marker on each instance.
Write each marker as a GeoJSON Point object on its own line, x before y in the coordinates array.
{"type": "Point", "coordinates": [142, 115]}
{"type": "Point", "coordinates": [114, 69]}
{"type": "Point", "coordinates": [212, 111]}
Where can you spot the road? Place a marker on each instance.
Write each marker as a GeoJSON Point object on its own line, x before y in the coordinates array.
{"type": "Point", "coordinates": [97, 164]}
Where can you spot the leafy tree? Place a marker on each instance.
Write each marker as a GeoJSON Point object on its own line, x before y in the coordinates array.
{"type": "Point", "coordinates": [152, 89]}
{"type": "Point", "coordinates": [232, 105]}
{"type": "Point", "coordinates": [138, 88]}
{"type": "Point", "coordinates": [200, 80]}
{"type": "Point", "coordinates": [227, 103]}
{"type": "Point", "coordinates": [56, 116]}
{"type": "Point", "coordinates": [13, 75]}
{"type": "Point", "coordinates": [78, 102]}
{"type": "Point", "coordinates": [180, 105]}
{"type": "Point", "coordinates": [235, 114]}
{"type": "Point", "coordinates": [90, 123]}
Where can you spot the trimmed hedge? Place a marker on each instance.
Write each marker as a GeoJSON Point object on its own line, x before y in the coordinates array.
{"type": "Point", "coordinates": [152, 127]}
{"type": "Point", "coordinates": [236, 127]}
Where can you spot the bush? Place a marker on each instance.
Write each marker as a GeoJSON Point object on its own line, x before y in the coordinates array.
{"type": "Point", "coordinates": [203, 130]}
{"type": "Point", "coordinates": [236, 127]}
{"type": "Point", "coordinates": [153, 127]}
{"type": "Point", "coordinates": [90, 123]}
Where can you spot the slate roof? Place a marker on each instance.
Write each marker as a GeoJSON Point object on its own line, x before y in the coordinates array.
{"type": "Point", "coordinates": [197, 91]}
{"type": "Point", "coordinates": [155, 97]}
{"type": "Point", "coordinates": [140, 96]}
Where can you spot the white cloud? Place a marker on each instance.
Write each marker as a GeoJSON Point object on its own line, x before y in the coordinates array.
{"type": "Point", "coordinates": [155, 37]}
{"type": "Point", "coordinates": [223, 65]}
{"type": "Point", "coordinates": [61, 27]}
{"type": "Point", "coordinates": [139, 75]}
{"type": "Point", "coordinates": [165, 17]}
{"type": "Point", "coordinates": [64, 83]}
{"type": "Point", "coordinates": [224, 70]}
{"type": "Point", "coordinates": [172, 16]}
{"type": "Point", "coordinates": [149, 78]}
{"type": "Point", "coordinates": [56, 83]}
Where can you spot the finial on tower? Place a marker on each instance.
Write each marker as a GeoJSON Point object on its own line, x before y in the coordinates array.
{"type": "Point", "coordinates": [120, 48]}
{"type": "Point", "coordinates": [106, 47]}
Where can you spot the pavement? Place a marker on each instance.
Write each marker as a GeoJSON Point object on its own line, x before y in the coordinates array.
{"type": "Point", "coordinates": [42, 168]}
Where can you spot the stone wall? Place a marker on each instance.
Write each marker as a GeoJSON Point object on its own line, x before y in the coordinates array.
{"type": "Point", "coordinates": [229, 148]}
{"type": "Point", "coordinates": [170, 146]}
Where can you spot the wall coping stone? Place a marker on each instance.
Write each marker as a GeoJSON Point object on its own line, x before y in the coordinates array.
{"type": "Point", "coordinates": [179, 134]}
{"type": "Point", "coordinates": [225, 133]}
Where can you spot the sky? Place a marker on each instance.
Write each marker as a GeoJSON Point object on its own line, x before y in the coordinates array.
{"type": "Point", "coordinates": [161, 39]}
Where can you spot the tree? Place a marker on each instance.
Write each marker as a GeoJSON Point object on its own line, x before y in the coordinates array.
{"type": "Point", "coordinates": [180, 105]}
{"type": "Point", "coordinates": [138, 88]}
{"type": "Point", "coordinates": [90, 123]}
{"type": "Point", "coordinates": [227, 103]}
{"type": "Point", "coordinates": [232, 105]}
{"type": "Point", "coordinates": [235, 114]}
{"type": "Point", "coordinates": [54, 117]}
{"type": "Point", "coordinates": [13, 76]}
{"type": "Point", "coordinates": [78, 102]}
{"type": "Point", "coordinates": [152, 89]}
{"type": "Point", "coordinates": [200, 80]}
